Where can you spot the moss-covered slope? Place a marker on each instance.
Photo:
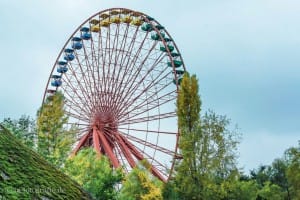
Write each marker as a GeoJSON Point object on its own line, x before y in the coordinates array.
{"type": "Point", "coordinates": [25, 175]}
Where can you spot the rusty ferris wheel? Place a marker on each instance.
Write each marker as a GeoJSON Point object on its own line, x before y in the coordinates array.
{"type": "Point", "coordinates": [119, 73]}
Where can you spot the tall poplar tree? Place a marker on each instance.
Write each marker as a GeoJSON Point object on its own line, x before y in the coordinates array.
{"type": "Point", "coordinates": [54, 140]}
{"type": "Point", "coordinates": [188, 111]}
{"type": "Point", "coordinates": [206, 145]}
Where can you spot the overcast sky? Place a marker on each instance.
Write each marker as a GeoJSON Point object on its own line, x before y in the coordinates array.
{"type": "Point", "coordinates": [245, 53]}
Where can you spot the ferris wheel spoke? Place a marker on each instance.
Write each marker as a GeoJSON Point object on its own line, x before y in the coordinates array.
{"type": "Point", "coordinates": [142, 111]}
{"type": "Point", "coordinates": [149, 144]}
{"type": "Point", "coordinates": [92, 67]}
{"type": "Point", "coordinates": [126, 62]}
{"type": "Point", "coordinates": [113, 60]}
{"type": "Point", "coordinates": [81, 142]}
{"type": "Point", "coordinates": [85, 73]}
{"type": "Point", "coordinates": [148, 100]}
{"type": "Point", "coordinates": [107, 148]}
{"type": "Point", "coordinates": [100, 54]}
{"type": "Point", "coordinates": [126, 72]}
{"type": "Point", "coordinates": [127, 105]}
{"type": "Point", "coordinates": [137, 153]}
{"type": "Point", "coordinates": [120, 52]}
{"type": "Point", "coordinates": [76, 114]}
{"type": "Point", "coordinates": [71, 99]}
{"type": "Point", "coordinates": [122, 158]}
{"type": "Point", "coordinates": [160, 116]}
{"type": "Point", "coordinates": [132, 89]}
{"type": "Point", "coordinates": [139, 110]}
{"type": "Point", "coordinates": [78, 85]}
{"type": "Point", "coordinates": [148, 131]}
{"type": "Point", "coordinates": [126, 152]}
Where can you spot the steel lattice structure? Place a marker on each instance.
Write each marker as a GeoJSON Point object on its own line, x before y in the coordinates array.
{"type": "Point", "coordinates": [120, 72]}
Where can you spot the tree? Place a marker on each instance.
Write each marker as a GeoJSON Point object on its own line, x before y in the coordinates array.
{"type": "Point", "coordinates": [188, 112]}
{"type": "Point", "coordinates": [293, 170]}
{"type": "Point", "coordinates": [24, 129]}
{"type": "Point", "coordinates": [206, 145]}
{"type": "Point", "coordinates": [94, 174]}
{"type": "Point", "coordinates": [54, 140]}
{"type": "Point", "coordinates": [141, 185]}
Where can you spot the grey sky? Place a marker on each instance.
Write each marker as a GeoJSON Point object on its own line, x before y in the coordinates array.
{"type": "Point", "coordinates": [246, 55]}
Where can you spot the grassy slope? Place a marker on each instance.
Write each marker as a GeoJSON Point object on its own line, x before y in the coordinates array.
{"type": "Point", "coordinates": [25, 175]}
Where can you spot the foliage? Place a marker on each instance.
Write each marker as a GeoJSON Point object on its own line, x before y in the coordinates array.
{"type": "Point", "coordinates": [25, 175]}
{"type": "Point", "coordinates": [94, 174]}
{"type": "Point", "coordinates": [54, 140]}
{"type": "Point", "coordinates": [270, 192]}
{"type": "Point", "coordinates": [293, 170]}
{"type": "Point", "coordinates": [24, 129]}
{"type": "Point", "coordinates": [208, 148]}
{"type": "Point", "coordinates": [141, 185]}
{"type": "Point", "coordinates": [281, 179]}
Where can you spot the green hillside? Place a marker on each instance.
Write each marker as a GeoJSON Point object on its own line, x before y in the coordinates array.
{"type": "Point", "coordinates": [25, 175]}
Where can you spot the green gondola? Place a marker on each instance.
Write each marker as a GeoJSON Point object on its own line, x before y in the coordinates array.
{"type": "Point", "coordinates": [177, 63]}
{"type": "Point", "coordinates": [164, 49]}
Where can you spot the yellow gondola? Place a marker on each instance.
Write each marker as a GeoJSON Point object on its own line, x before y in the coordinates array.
{"type": "Point", "coordinates": [105, 23]}
{"type": "Point", "coordinates": [115, 20]}
{"type": "Point", "coordinates": [95, 28]}
{"type": "Point", "coordinates": [137, 22]}
{"type": "Point", "coordinates": [104, 15]}
{"type": "Point", "coordinates": [127, 19]}
{"type": "Point", "coordinates": [114, 12]}
{"type": "Point", "coordinates": [94, 21]}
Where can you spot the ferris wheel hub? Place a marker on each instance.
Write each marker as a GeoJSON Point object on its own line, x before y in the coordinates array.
{"type": "Point", "coordinates": [104, 120]}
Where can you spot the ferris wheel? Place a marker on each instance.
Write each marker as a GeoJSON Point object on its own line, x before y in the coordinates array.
{"type": "Point", "coordinates": [120, 72]}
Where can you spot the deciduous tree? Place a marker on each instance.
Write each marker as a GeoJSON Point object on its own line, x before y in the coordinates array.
{"type": "Point", "coordinates": [94, 174]}
{"type": "Point", "coordinates": [54, 139]}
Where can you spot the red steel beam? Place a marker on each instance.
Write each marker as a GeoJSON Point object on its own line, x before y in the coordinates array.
{"type": "Point", "coordinates": [125, 150]}
{"type": "Point", "coordinates": [139, 156]}
{"type": "Point", "coordinates": [107, 148]}
{"type": "Point", "coordinates": [81, 143]}
{"type": "Point", "coordinates": [96, 141]}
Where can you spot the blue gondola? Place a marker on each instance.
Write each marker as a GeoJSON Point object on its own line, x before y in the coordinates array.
{"type": "Point", "coordinates": [76, 43]}
{"type": "Point", "coordinates": [56, 82]}
{"type": "Point", "coordinates": [69, 56]}
{"type": "Point", "coordinates": [85, 33]}
{"type": "Point", "coordinates": [62, 67]}
{"type": "Point", "coordinates": [54, 76]}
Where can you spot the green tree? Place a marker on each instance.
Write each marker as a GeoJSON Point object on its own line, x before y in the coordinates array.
{"type": "Point", "coordinates": [24, 128]}
{"type": "Point", "coordinates": [293, 170]}
{"type": "Point", "coordinates": [54, 140]}
{"type": "Point", "coordinates": [141, 185]}
{"type": "Point", "coordinates": [207, 145]}
{"type": "Point", "coordinates": [270, 192]}
{"type": "Point", "coordinates": [94, 174]}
